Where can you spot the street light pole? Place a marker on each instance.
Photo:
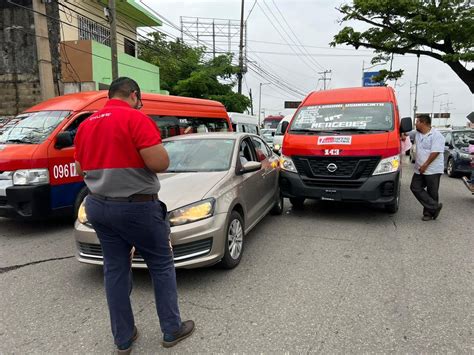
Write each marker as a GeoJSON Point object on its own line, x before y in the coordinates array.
{"type": "Point", "coordinates": [260, 102]}
{"type": "Point", "coordinates": [432, 104]}
{"type": "Point", "coordinates": [416, 87]}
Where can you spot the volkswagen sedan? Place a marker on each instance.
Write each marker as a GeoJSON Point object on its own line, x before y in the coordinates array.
{"type": "Point", "coordinates": [217, 188]}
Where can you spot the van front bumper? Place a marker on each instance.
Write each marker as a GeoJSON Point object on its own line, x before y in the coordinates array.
{"type": "Point", "coordinates": [26, 202]}
{"type": "Point", "coordinates": [379, 189]}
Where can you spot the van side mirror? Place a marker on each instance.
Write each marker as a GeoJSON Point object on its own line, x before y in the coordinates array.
{"type": "Point", "coordinates": [284, 126]}
{"type": "Point", "coordinates": [64, 140]}
{"type": "Point", "coordinates": [406, 125]}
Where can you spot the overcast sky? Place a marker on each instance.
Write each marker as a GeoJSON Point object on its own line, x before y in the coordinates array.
{"type": "Point", "coordinates": [314, 23]}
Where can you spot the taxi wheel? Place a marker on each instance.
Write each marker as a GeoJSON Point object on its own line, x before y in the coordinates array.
{"type": "Point", "coordinates": [450, 168]}
{"type": "Point", "coordinates": [80, 197]}
{"type": "Point", "coordinates": [234, 241]}
{"type": "Point", "coordinates": [278, 206]}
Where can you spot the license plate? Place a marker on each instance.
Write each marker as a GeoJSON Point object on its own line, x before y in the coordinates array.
{"type": "Point", "coordinates": [331, 195]}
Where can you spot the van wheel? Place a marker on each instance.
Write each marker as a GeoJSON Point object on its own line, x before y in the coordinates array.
{"type": "Point", "coordinates": [278, 206]}
{"type": "Point", "coordinates": [234, 241]}
{"type": "Point", "coordinates": [393, 207]}
{"type": "Point", "coordinates": [80, 197]}
{"type": "Point", "coordinates": [297, 202]}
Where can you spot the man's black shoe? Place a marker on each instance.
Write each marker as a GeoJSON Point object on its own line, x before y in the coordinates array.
{"type": "Point", "coordinates": [187, 328]}
{"type": "Point", "coordinates": [126, 348]}
{"type": "Point", "coordinates": [438, 210]}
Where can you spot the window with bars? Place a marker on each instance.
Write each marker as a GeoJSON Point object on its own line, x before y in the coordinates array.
{"type": "Point", "coordinates": [89, 29]}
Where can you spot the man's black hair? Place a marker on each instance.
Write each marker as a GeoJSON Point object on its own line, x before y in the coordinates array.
{"type": "Point", "coordinates": [123, 87]}
{"type": "Point", "coordinates": [426, 119]}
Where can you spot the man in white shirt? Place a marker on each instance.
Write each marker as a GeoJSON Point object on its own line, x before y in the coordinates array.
{"type": "Point", "coordinates": [429, 166]}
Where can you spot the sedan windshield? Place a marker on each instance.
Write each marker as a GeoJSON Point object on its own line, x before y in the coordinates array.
{"type": "Point", "coordinates": [199, 155]}
{"type": "Point", "coordinates": [344, 117]}
{"type": "Point", "coordinates": [32, 128]}
{"type": "Point", "coordinates": [267, 134]}
{"type": "Point", "coordinates": [461, 139]}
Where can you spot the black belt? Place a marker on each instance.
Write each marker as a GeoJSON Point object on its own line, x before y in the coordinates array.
{"type": "Point", "coordinates": [132, 198]}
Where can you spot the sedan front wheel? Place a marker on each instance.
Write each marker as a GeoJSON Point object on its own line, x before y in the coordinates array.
{"type": "Point", "coordinates": [234, 243]}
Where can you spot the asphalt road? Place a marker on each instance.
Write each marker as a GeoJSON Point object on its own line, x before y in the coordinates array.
{"type": "Point", "coordinates": [331, 278]}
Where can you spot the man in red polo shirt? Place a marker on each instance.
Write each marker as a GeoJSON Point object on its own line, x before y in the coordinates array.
{"type": "Point", "coordinates": [119, 152]}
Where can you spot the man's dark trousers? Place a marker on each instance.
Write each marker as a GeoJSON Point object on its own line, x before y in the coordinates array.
{"type": "Point", "coordinates": [119, 226]}
{"type": "Point", "coordinates": [429, 197]}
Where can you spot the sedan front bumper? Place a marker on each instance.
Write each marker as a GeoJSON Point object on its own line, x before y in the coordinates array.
{"type": "Point", "coordinates": [195, 244]}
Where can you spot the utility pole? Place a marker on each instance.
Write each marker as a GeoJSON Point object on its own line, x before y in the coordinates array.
{"type": "Point", "coordinates": [324, 79]}
{"type": "Point", "coordinates": [260, 102]}
{"type": "Point", "coordinates": [241, 50]}
{"type": "Point", "coordinates": [416, 88]}
{"type": "Point", "coordinates": [113, 38]}
{"type": "Point", "coordinates": [43, 50]}
{"type": "Point", "coordinates": [251, 102]}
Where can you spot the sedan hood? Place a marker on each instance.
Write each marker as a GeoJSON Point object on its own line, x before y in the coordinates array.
{"type": "Point", "coordinates": [181, 189]}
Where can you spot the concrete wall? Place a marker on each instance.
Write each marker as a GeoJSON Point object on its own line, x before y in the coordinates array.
{"type": "Point", "coordinates": [94, 11]}
{"type": "Point", "coordinates": [145, 74]}
{"type": "Point", "coordinates": [19, 81]}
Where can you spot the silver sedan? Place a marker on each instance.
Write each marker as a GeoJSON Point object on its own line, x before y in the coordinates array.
{"type": "Point", "coordinates": [217, 188]}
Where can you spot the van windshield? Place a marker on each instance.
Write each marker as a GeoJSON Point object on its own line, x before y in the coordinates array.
{"type": "Point", "coordinates": [32, 127]}
{"type": "Point", "coordinates": [376, 116]}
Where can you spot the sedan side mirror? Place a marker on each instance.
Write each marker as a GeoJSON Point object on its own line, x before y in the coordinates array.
{"type": "Point", "coordinates": [284, 126]}
{"type": "Point", "coordinates": [64, 140]}
{"type": "Point", "coordinates": [250, 167]}
{"type": "Point", "coordinates": [406, 125]}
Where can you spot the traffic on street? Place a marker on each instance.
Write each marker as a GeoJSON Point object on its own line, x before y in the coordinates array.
{"type": "Point", "coordinates": [327, 278]}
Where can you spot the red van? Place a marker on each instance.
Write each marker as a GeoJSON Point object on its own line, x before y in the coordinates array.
{"type": "Point", "coordinates": [37, 172]}
{"type": "Point", "coordinates": [344, 145]}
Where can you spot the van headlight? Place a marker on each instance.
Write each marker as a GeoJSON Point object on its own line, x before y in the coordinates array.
{"type": "Point", "coordinates": [388, 165]}
{"type": "Point", "coordinates": [287, 164]}
{"type": "Point", "coordinates": [31, 177]}
{"type": "Point", "coordinates": [192, 213]}
{"type": "Point", "coordinates": [81, 214]}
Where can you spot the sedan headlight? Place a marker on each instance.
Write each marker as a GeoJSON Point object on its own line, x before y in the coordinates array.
{"type": "Point", "coordinates": [465, 156]}
{"type": "Point", "coordinates": [287, 164]}
{"type": "Point", "coordinates": [388, 165]}
{"type": "Point", "coordinates": [81, 214]}
{"type": "Point", "coordinates": [31, 177]}
{"type": "Point", "coordinates": [276, 147]}
{"type": "Point", "coordinates": [192, 213]}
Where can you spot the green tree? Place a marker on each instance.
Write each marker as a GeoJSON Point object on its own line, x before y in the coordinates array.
{"type": "Point", "coordinates": [441, 29]}
{"type": "Point", "coordinates": [184, 71]}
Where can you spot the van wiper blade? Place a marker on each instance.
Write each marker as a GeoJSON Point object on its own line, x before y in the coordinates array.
{"type": "Point", "coordinates": [18, 141]}
{"type": "Point", "coordinates": [312, 131]}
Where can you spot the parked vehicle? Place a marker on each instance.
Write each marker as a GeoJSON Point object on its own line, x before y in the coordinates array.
{"type": "Point", "coordinates": [217, 188]}
{"type": "Point", "coordinates": [344, 145]}
{"type": "Point", "coordinates": [457, 160]}
{"type": "Point", "coordinates": [278, 139]}
{"type": "Point", "coordinates": [244, 123]}
{"type": "Point", "coordinates": [38, 178]}
{"type": "Point", "coordinates": [267, 134]}
{"type": "Point", "coordinates": [272, 121]}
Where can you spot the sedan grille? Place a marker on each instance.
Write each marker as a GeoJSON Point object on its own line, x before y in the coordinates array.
{"type": "Point", "coordinates": [181, 252]}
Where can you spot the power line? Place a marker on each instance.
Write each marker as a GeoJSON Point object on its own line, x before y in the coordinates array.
{"type": "Point", "coordinates": [281, 35]}
{"type": "Point", "coordinates": [295, 36]}
{"type": "Point", "coordinates": [250, 12]}
{"type": "Point", "coordinates": [310, 46]}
